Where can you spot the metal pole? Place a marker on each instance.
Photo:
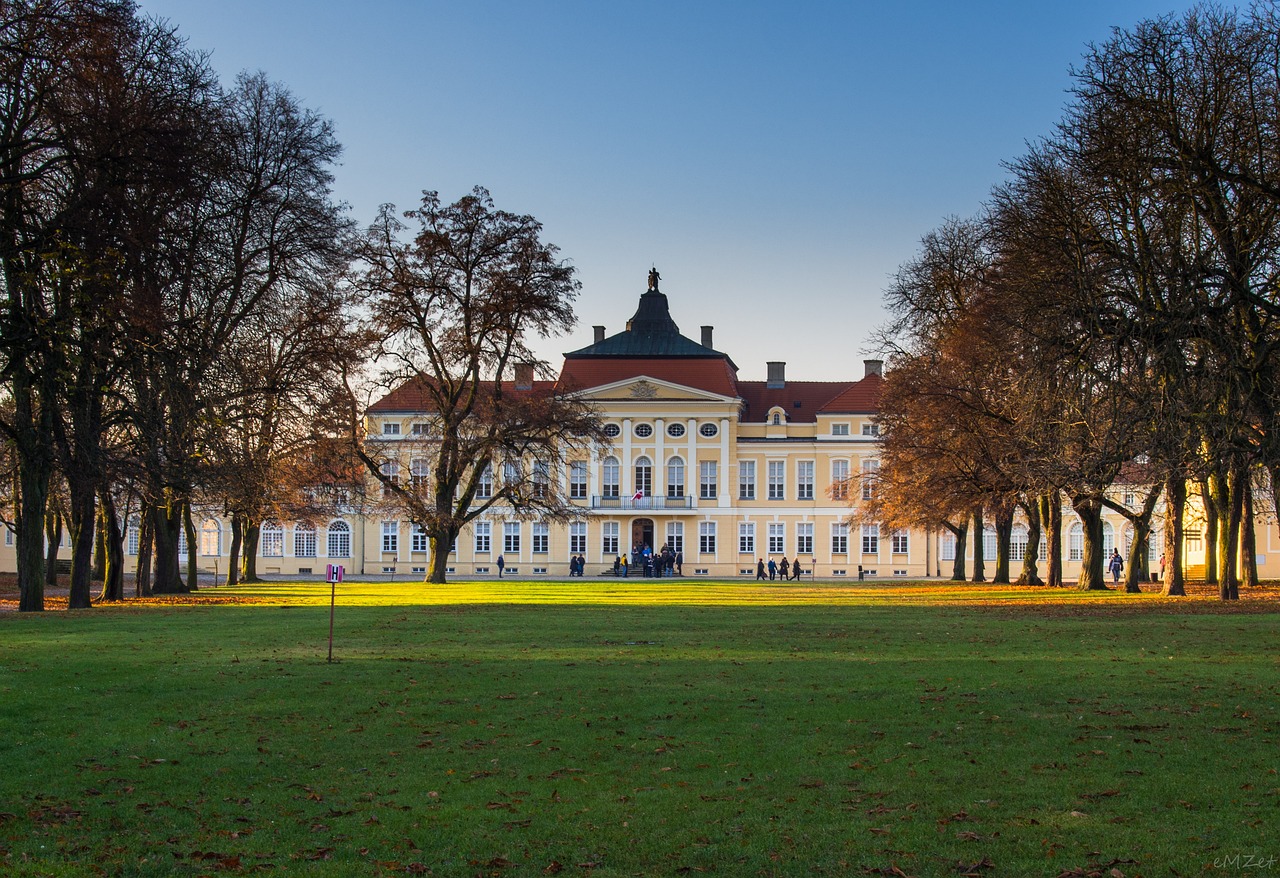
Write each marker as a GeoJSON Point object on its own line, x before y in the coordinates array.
{"type": "Point", "coordinates": [333, 596]}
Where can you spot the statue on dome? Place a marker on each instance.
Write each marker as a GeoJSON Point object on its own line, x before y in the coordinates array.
{"type": "Point", "coordinates": [653, 278]}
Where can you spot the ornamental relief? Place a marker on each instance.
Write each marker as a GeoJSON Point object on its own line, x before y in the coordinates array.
{"type": "Point", "coordinates": [643, 390]}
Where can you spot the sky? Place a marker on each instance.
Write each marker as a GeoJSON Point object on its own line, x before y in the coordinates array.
{"type": "Point", "coordinates": [775, 161]}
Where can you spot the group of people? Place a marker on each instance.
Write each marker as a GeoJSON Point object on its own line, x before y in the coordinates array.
{"type": "Point", "coordinates": [577, 563]}
{"type": "Point", "coordinates": [665, 562]}
{"type": "Point", "coordinates": [787, 569]}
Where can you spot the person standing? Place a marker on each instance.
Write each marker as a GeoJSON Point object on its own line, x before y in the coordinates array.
{"type": "Point", "coordinates": [501, 564]}
{"type": "Point", "coordinates": [795, 568]}
{"type": "Point", "coordinates": [679, 563]}
{"type": "Point", "coordinates": [1116, 564]}
{"type": "Point", "coordinates": [773, 570]}
{"type": "Point", "coordinates": [760, 569]}
{"type": "Point", "coordinates": [785, 569]}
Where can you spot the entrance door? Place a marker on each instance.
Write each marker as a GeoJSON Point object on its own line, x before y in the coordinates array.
{"type": "Point", "coordinates": [642, 533]}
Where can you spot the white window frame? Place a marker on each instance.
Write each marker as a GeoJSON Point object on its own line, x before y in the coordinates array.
{"type": "Point", "coordinates": [871, 539]}
{"type": "Point", "coordinates": [610, 477]}
{"type": "Point", "coordinates": [675, 476]}
{"type": "Point", "coordinates": [540, 538]}
{"type": "Point", "coordinates": [577, 480]}
{"type": "Point", "coordinates": [804, 479]}
{"type": "Point", "coordinates": [305, 544]}
{"type": "Point", "coordinates": [390, 537]}
{"type": "Point", "coordinates": [419, 541]}
{"type": "Point", "coordinates": [746, 480]}
{"type": "Point", "coordinates": [338, 539]}
{"type": "Point", "coordinates": [609, 538]}
{"type": "Point", "coordinates": [511, 538]}
{"type": "Point", "coordinates": [483, 537]}
{"type": "Point", "coordinates": [708, 480]}
{"type": "Point", "coordinates": [747, 537]}
{"type": "Point", "coordinates": [804, 537]}
{"type": "Point", "coordinates": [899, 543]}
{"type": "Point", "coordinates": [210, 538]}
{"type": "Point", "coordinates": [839, 429]}
{"type": "Point", "coordinates": [870, 469]}
{"type": "Point", "coordinates": [707, 537]}
{"type": "Point", "coordinates": [839, 538]}
{"type": "Point", "coordinates": [577, 538]}
{"type": "Point", "coordinates": [840, 479]}
{"type": "Point", "coordinates": [777, 533]}
{"type": "Point", "coordinates": [777, 477]}
{"type": "Point", "coordinates": [675, 535]}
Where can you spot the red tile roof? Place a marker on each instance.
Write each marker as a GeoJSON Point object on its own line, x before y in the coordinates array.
{"type": "Point", "coordinates": [801, 400]}
{"type": "Point", "coordinates": [412, 396]}
{"type": "Point", "coordinates": [713, 374]}
{"type": "Point", "coordinates": [860, 397]}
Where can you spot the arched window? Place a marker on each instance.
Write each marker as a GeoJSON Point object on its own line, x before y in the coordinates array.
{"type": "Point", "coordinates": [989, 543]}
{"type": "Point", "coordinates": [1075, 542]}
{"type": "Point", "coordinates": [1018, 543]}
{"type": "Point", "coordinates": [271, 539]}
{"type": "Point", "coordinates": [609, 477]}
{"type": "Point", "coordinates": [644, 476]}
{"type": "Point", "coordinates": [339, 539]}
{"type": "Point", "coordinates": [304, 540]}
{"type": "Point", "coordinates": [135, 526]}
{"type": "Point", "coordinates": [1108, 539]}
{"type": "Point", "coordinates": [675, 477]}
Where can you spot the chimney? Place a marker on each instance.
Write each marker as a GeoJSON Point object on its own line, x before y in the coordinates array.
{"type": "Point", "coordinates": [706, 336]}
{"type": "Point", "coordinates": [524, 376]}
{"type": "Point", "coordinates": [873, 367]}
{"type": "Point", "coordinates": [777, 376]}
{"type": "Point", "coordinates": [599, 330]}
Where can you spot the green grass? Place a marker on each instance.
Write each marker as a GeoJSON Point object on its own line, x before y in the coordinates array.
{"type": "Point", "coordinates": [642, 728]}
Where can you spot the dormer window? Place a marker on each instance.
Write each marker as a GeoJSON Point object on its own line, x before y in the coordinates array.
{"type": "Point", "coordinates": [777, 418]}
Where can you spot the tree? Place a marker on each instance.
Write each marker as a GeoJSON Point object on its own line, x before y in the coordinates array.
{"type": "Point", "coordinates": [453, 311]}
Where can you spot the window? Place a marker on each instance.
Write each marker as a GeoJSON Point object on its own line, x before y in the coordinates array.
{"type": "Point", "coordinates": [541, 538]}
{"type": "Point", "coordinates": [839, 429]}
{"type": "Point", "coordinates": [271, 540]}
{"type": "Point", "coordinates": [898, 543]}
{"type": "Point", "coordinates": [421, 429]}
{"type": "Point", "coordinates": [541, 478]}
{"type": "Point", "coordinates": [612, 430]}
{"type": "Point", "coordinates": [644, 431]}
{"type": "Point", "coordinates": [8, 540]}
{"type": "Point", "coordinates": [870, 468]}
{"type": "Point", "coordinates": [418, 541]}
{"type": "Point", "coordinates": [1194, 542]}
{"type": "Point", "coordinates": [390, 428]}
{"type": "Point", "coordinates": [777, 538]}
{"type": "Point", "coordinates": [804, 480]}
{"type": "Point", "coordinates": [609, 477]}
{"type": "Point", "coordinates": [948, 550]}
{"type": "Point", "coordinates": [989, 547]}
{"type": "Point", "coordinates": [484, 533]}
{"type": "Point", "coordinates": [484, 487]}
{"type": "Point", "coordinates": [1018, 544]}
{"type": "Point", "coordinates": [777, 480]}
{"type": "Point", "coordinates": [339, 540]}
{"type": "Point", "coordinates": [839, 539]}
{"type": "Point", "coordinates": [675, 431]}
{"type": "Point", "coordinates": [747, 537]}
{"type": "Point", "coordinates": [391, 536]}
{"type": "Point", "coordinates": [511, 474]}
{"type": "Point", "coordinates": [709, 430]}
{"type": "Point", "coordinates": [839, 480]}
{"type": "Point", "coordinates": [675, 535]}
{"type": "Point", "coordinates": [746, 480]}
{"type": "Point", "coordinates": [675, 477]}
{"type": "Point", "coordinates": [304, 540]}
{"type": "Point", "coordinates": [1075, 542]}
{"type": "Point", "coordinates": [390, 475]}
{"type": "Point", "coordinates": [804, 537]}
{"type": "Point", "coordinates": [419, 469]}
{"type": "Point", "coordinates": [609, 538]}
{"type": "Point", "coordinates": [644, 476]}
{"type": "Point", "coordinates": [1128, 498]}
{"type": "Point", "coordinates": [210, 538]}
{"type": "Point", "coordinates": [871, 539]}
{"type": "Point", "coordinates": [708, 480]}
{"type": "Point", "coordinates": [577, 538]}
{"type": "Point", "coordinates": [511, 537]}
{"type": "Point", "coordinates": [134, 525]}
{"type": "Point", "coordinates": [777, 419]}
{"type": "Point", "coordinates": [577, 479]}
{"type": "Point", "coordinates": [870, 429]}
{"type": "Point", "coordinates": [182, 541]}
{"type": "Point", "coordinates": [707, 537]}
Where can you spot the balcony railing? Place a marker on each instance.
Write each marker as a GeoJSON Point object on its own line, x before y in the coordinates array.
{"type": "Point", "coordinates": [683, 502]}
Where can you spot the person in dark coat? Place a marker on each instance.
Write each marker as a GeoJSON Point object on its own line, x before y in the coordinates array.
{"type": "Point", "coordinates": [785, 569]}
{"type": "Point", "coordinates": [501, 564]}
{"type": "Point", "coordinates": [795, 568]}
{"type": "Point", "coordinates": [760, 569]}
{"type": "Point", "coordinates": [679, 563]}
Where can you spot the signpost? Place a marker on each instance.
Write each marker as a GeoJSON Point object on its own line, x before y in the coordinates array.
{"type": "Point", "coordinates": [334, 574]}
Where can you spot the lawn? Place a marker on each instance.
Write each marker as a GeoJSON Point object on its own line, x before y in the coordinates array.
{"type": "Point", "coordinates": [643, 728]}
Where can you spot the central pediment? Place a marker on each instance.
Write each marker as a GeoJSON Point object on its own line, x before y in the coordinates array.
{"type": "Point", "coordinates": [647, 388]}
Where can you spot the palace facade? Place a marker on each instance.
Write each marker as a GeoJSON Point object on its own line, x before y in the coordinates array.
{"type": "Point", "coordinates": [727, 472]}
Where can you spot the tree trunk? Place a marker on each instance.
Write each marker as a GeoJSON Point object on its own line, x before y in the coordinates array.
{"type": "Point", "coordinates": [441, 543]}
{"type": "Point", "coordinates": [193, 549]}
{"type": "Point", "coordinates": [52, 542]}
{"type": "Point", "coordinates": [961, 533]}
{"type": "Point", "coordinates": [252, 536]}
{"type": "Point", "coordinates": [1051, 515]}
{"type": "Point", "coordinates": [32, 425]}
{"type": "Point", "coordinates": [1209, 489]}
{"type": "Point", "coordinates": [100, 546]}
{"type": "Point", "coordinates": [1229, 534]}
{"type": "Point", "coordinates": [83, 511]}
{"type": "Point", "coordinates": [1248, 540]}
{"type": "Point", "coordinates": [1092, 571]}
{"type": "Point", "coordinates": [111, 544]}
{"type": "Point", "coordinates": [1175, 503]}
{"type": "Point", "coordinates": [233, 556]}
{"type": "Point", "coordinates": [146, 546]}
{"type": "Point", "coordinates": [1030, 558]}
{"type": "Point", "coordinates": [1004, 536]}
{"type": "Point", "coordinates": [166, 519]}
{"type": "Point", "coordinates": [979, 547]}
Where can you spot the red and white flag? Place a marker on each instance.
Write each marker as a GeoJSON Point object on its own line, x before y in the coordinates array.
{"type": "Point", "coordinates": [639, 494]}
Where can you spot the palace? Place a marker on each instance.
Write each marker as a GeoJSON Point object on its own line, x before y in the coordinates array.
{"type": "Point", "coordinates": [725, 471]}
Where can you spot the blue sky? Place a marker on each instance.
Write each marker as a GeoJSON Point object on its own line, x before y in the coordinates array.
{"type": "Point", "coordinates": [775, 161]}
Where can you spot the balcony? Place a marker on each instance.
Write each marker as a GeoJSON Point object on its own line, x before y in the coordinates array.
{"type": "Point", "coordinates": [646, 504]}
